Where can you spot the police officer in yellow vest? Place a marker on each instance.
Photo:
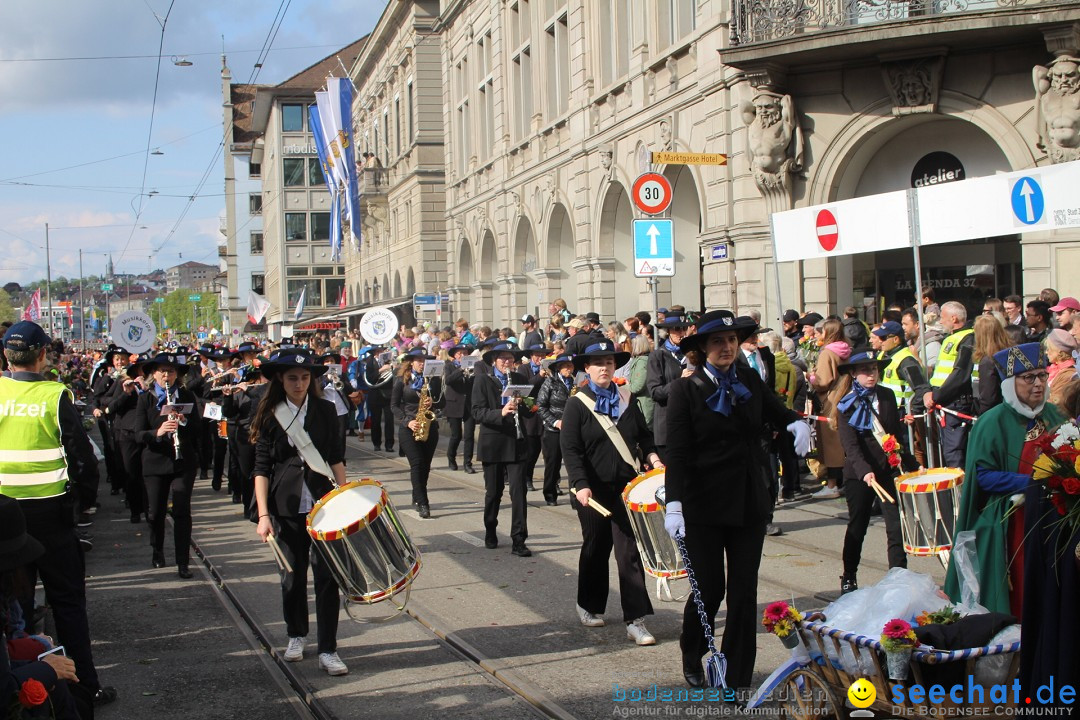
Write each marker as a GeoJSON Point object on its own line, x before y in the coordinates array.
{"type": "Point", "coordinates": [904, 374]}
{"type": "Point", "coordinates": [951, 382]}
{"type": "Point", "coordinates": [48, 465]}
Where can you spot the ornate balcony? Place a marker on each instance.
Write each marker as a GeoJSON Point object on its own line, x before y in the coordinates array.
{"type": "Point", "coordinates": [758, 21]}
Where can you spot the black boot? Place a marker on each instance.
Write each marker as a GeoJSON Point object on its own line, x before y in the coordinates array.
{"type": "Point", "coordinates": [848, 584]}
{"type": "Point", "coordinates": [184, 571]}
{"type": "Point", "coordinates": [692, 670]}
{"type": "Point", "coordinates": [469, 469]}
{"type": "Point", "coordinates": [158, 559]}
{"type": "Point", "coordinates": [452, 463]}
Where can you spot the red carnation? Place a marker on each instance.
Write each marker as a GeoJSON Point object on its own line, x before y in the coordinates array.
{"type": "Point", "coordinates": [32, 693]}
{"type": "Point", "coordinates": [1071, 486]}
{"type": "Point", "coordinates": [1059, 503]}
{"type": "Point", "coordinates": [889, 445]}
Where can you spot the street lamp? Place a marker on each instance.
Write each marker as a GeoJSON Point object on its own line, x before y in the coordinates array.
{"type": "Point", "coordinates": [181, 61]}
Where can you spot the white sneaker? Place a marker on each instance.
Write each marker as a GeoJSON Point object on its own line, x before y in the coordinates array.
{"type": "Point", "coordinates": [826, 493]}
{"type": "Point", "coordinates": [331, 663]}
{"type": "Point", "coordinates": [637, 632]}
{"type": "Point", "coordinates": [588, 619]}
{"type": "Point", "coordinates": [295, 651]}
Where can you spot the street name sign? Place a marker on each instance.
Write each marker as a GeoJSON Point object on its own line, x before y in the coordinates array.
{"type": "Point", "coordinates": [194, 298]}
{"type": "Point", "coordinates": [427, 302]}
{"type": "Point", "coordinates": [680, 158]}
{"type": "Point", "coordinates": [654, 248]}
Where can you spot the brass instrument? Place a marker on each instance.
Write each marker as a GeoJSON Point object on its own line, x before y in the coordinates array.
{"type": "Point", "coordinates": [173, 417]}
{"type": "Point", "coordinates": [424, 415]}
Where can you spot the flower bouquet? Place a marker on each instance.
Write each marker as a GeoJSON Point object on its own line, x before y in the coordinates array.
{"type": "Point", "coordinates": [891, 448]}
{"type": "Point", "coordinates": [945, 616]}
{"type": "Point", "coordinates": [1058, 469]}
{"type": "Point", "coordinates": [898, 640]}
{"type": "Point", "coordinates": [782, 620]}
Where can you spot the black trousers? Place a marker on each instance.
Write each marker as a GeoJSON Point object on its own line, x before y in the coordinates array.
{"type": "Point", "coordinates": [496, 477]}
{"type": "Point", "coordinates": [296, 545]}
{"type": "Point", "coordinates": [245, 458]}
{"type": "Point", "coordinates": [789, 464]}
{"type": "Point", "coordinates": [419, 455]}
{"type": "Point", "coordinates": [532, 454]}
{"type": "Point", "coordinates": [158, 488]}
{"type": "Point", "coordinates": [114, 465]}
{"type": "Point", "coordinates": [461, 428]}
{"type": "Point", "coordinates": [131, 455]}
{"type": "Point", "coordinates": [381, 419]}
{"type": "Point", "coordinates": [552, 462]}
{"type": "Point", "coordinates": [954, 439]}
{"type": "Point", "coordinates": [63, 575]}
{"type": "Point", "coordinates": [212, 449]}
{"type": "Point", "coordinates": [707, 546]}
{"type": "Point", "coordinates": [235, 480]}
{"type": "Point", "coordinates": [598, 535]}
{"type": "Point", "coordinates": [860, 498]}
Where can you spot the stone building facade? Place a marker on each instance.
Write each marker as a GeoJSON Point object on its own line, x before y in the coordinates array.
{"type": "Point", "coordinates": [553, 107]}
{"type": "Point", "coordinates": [398, 136]}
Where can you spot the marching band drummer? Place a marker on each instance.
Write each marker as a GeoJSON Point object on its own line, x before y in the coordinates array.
{"type": "Point", "coordinates": [718, 476]}
{"type": "Point", "coordinates": [405, 404]}
{"type": "Point", "coordinates": [599, 464]}
{"type": "Point", "coordinates": [170, 448]}
{"type": "Point", "coordinates": [297, 450]}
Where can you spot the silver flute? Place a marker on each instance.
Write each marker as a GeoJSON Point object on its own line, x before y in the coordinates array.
{"type": "Point", "coordinates": [174, 417]}
{"type": "Point", "coordinates": [517, 417]}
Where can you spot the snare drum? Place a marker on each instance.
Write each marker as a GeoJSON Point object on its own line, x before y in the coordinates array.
{"type": "Point", "coordinates": [659, 554]}
{"type": "Point", "coordinates": [929, 505]}
{"type": "Point", "coordinates": [360, 535]}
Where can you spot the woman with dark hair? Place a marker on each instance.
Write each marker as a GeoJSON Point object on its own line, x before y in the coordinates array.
{"type": "Point", "coordinates": [717, 484]}
{"type": "Point", "coordinates": [170, 442]}
{"type": "Point", "coordinates": [298, 459]}
{"type": "Point", "coordinates": [550, 403]}
{"type": "Point", "coordinates": [834, 350]}
{"type": "Point", "coordinates": [405, 404]}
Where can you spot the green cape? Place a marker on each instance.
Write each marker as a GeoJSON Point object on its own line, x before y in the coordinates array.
{"type": "Point", "coordinates": [995, 442]}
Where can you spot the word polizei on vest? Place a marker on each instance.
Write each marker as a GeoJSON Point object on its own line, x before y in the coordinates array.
{"type": "Point", "coordinates": [14, 409]}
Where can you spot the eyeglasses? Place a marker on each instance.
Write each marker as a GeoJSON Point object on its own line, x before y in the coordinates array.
{"type": "Point", "coordinates": [1031, 378]}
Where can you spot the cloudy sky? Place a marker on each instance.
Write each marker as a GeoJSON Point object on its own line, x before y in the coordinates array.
{"type": "Point", "coordinates": [76, 96]}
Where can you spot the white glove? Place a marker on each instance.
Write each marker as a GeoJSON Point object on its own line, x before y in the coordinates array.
{"type": "Point", "coordinates": [673, 520]}
{"type": "Point", "coordinates": [801, 431]}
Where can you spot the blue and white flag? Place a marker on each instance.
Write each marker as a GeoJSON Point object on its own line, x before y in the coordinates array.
{"type": "Point", "coordinates": [300, 304]}
{"type": "Point", "coordinates": [352, 175]}
{"type": "Point", "coordinates": [328, 162]}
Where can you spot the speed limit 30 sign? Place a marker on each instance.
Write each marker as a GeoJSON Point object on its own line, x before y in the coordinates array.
{"type": "Point", "coordinates": [651, 193]}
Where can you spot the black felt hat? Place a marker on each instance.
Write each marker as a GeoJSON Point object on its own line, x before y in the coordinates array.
{"type": "Point", "coordinates": [604, 348]}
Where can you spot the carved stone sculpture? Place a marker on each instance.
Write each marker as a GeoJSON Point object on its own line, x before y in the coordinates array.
{"type": "Point", "coordinates": [775, 138]}
{"type": "Point", "coordinates": [665, 135]}
{"type": "Point", "coordinates": [1058, 89]}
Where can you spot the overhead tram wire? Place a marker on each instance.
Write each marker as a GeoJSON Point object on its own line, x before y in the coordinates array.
{"type": "Point", "coordinates": [74, 58]}
{"type": "Point", "coordinates": [150, 131]}
{"type": "Point", "coordinates": [264, 52]}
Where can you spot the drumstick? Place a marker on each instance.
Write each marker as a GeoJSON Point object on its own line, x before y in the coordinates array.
{"type": "Point", "coordinates": [882, 493]}
{"type": "Point", "coordinates": [599, 508]}
{"type": "Point", "coordinates": [282, 560]}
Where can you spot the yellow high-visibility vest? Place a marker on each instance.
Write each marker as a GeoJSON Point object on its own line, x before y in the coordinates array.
{"type": "Point", "coordinates": [892, 380]}
{"type": "Point", "coordinates": [32, 462]}
{"type": "Point", "coordinates": [950, 350]}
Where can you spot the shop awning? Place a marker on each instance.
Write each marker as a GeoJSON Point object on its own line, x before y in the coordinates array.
{"type": "Point", "coordinates": [309, 326]}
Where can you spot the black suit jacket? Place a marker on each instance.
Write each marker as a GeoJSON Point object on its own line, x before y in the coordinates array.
{"type": "Point", "coordinates": [457, 389]}
{"type": "Point", "coordinates": [660, 371]}
{"type": "Point", "coordinates": [159, 456]}
{"type": "Point", "coordinates": [589, 454]}
{"type": "Point", "coordinates": [404, 401]}
{"type": "Point", "coordinates": [497, 440]}
{"type": "Point", "coordinates": [768, 359]}
{"type": "Point", "coordinates": [862, 452]}
{"type": "Point", "coordinates": [716, 465]}
{"type": "Point", "coordinates": [277, 460]}
{"type": "Point", "coordinates": [531, 418]}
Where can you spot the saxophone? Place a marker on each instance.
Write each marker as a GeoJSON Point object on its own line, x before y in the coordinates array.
{"type": "Point", "coordinates": [424, 415]}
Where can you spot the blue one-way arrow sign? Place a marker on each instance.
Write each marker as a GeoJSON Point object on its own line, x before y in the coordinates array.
{"type": "Point", "coordinates": [654, 248]}
{"type": "Point", "coordinates": [1028, 202]}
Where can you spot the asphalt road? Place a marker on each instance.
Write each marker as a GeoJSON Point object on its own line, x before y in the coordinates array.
{"type": "Point", "coordinates": [487, 634]}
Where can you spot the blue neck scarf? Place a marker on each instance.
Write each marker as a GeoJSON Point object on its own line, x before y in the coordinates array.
{"type": "Point", "coordinates": [503, 380]}
{"type": "Point", "coordinates": [607, 401]}
{"type": "Point", "coordinates": [672, 347]}
{"type": "Point", "coordinates": [729, 391]}
{"type": "Point", "coordinates": [568, 381]}
{"type": "Point", "coordinates": [417, 382]}
{"type": "Point", "coordinates": [862, 399]}
{"type": "Point", "coordinates": [162, 397]}
{"type": "Point", "coordinates": [535, 368]}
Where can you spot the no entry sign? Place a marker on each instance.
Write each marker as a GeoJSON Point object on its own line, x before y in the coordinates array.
{"type": "Point", "coordinates": [828, 234]}
{"type": "Point", "coordinates": [651, 193]}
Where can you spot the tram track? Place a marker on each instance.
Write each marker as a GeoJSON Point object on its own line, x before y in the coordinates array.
{"type": "Point", "coordinates": [302, 697]}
